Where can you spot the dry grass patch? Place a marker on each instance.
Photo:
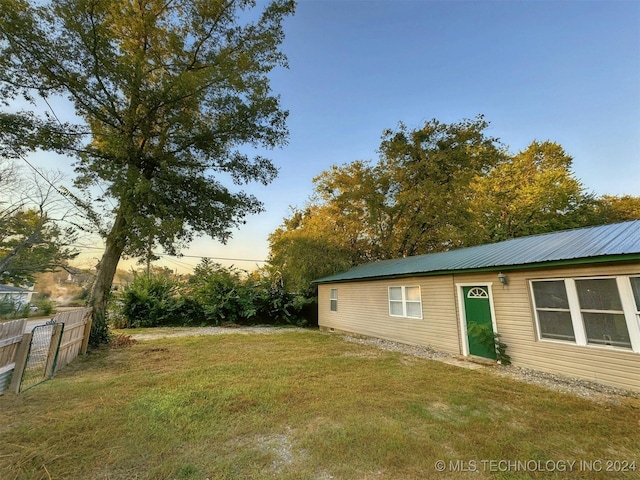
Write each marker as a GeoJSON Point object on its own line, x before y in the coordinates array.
{"type": "Point", "coordinates": [300, 405]}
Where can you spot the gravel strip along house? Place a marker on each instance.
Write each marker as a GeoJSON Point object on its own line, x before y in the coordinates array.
{"type": "Point", "coordinates": [566, 303]}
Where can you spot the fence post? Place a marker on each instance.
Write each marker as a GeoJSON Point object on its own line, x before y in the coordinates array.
{"type": "Point", "coordinates": [21, 360]}
{"type": "Point", "coordinates": [85, 339]}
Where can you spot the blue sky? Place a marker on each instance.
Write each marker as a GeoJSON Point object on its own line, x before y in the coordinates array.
{"type": "Point", "coordinates": [565, 71]}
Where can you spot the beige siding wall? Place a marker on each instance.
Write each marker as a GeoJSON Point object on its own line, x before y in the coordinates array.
{"type": "Point", "coordinates": [363, 308]}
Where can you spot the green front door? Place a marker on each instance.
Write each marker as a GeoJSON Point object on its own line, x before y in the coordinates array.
{"type": "Point", "coordinates": [479, 325]}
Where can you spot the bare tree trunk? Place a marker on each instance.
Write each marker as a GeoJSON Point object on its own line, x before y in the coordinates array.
{"type": "Point", "coordinates": [101, 290]}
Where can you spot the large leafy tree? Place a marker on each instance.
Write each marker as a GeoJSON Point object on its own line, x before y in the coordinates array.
{"type": "Point", "coordinates": [310, 244]}
{"type": "Point", "coordinates": [431, 170]}
{"type": "Point", "coordinates": [612, 208]}
{"type": "Point", "coordinates": [31, 242]}
{"type": "Point", "coordinates": [436, 188]}
{"type": "Point", "coordinates": [534, 191]}
{"type": "Point", "coordinates": [33, 238]}
{"type": "Point", "coordinates": [414, 200]}
{"type": "Point", "coordinates": [169, 93]}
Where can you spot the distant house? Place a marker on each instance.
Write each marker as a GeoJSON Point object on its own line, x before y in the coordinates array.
{"type": "Point", "coordinates": [16, 296]}
{"type": "Point", "coordinates": [566, 303]}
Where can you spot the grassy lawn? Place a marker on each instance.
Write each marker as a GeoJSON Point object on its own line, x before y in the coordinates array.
{"type": "Point", "coordinates": [302, 405]}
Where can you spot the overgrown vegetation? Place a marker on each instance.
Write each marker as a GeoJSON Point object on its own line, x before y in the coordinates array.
{"type": "Point", "coordinates": [485, 335]}
{"type": "Point", "coordinates": [213, 295]}
{"type": "Point", "coordinates": [299, 405]}
{"type": "Point", "coordinates": [11, 309]}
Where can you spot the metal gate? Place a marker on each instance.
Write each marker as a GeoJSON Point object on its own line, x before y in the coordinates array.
{"type": "Point", "coordinates": [43, 354]}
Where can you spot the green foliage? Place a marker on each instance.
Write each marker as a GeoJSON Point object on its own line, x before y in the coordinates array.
{"type": "Point", "coordinates": [228, 298]}
{"type": "Point", "coordinates": [485, 335]}
{"type": "Point", "coordinates": [7, 307]}
{"type": "Point", "coordinates": [310, 245]}
{"type": "Point", "coordinates": [213, 296]}
{"type": "Point", "coordinates": [31, 243]}
{"type": "Point", "coordinates": [433, 189]}
{"type": "Point", "coordinates": [45, 306]}
{"type": "Point", "coordinates": [150, 301]}
{"type": "Point", "coordinates": [221, 293]}
{"type": "Point", "coordinates": [533, 192]}
{"type": "Point", "coordinates": [613, 209]}
{"type": "Point", "coordinates": [412, 201]}
{"type": "Point", "coordinates": [169, 96]}
{"type": "Point", "coordinates": [32, 238]}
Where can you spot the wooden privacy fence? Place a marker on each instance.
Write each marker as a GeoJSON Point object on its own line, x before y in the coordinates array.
{"type": "Point", "coordinates": [75, 336]}
{"type": "Point", "coordinates": [28, 358]}
{"type": "Point", "coordinates": [10, 338]}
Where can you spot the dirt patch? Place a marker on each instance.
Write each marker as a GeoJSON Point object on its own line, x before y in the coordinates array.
{"type": "Point", "coordinates": [199, 331]}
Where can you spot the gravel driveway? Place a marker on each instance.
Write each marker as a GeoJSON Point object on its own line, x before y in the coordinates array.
{"type": "Point", "coordinates": [581, 388]}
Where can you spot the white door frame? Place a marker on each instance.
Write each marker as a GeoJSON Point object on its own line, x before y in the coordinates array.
{"type": "Point", "coordinates": [464, 338]}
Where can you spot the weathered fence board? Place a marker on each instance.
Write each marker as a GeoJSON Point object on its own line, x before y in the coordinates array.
{"type": "Point", "coordinates": [21, 358]}
{"type": "Point", "coordinates": [10, 338]}
{"type": "Point", "coordinates": [74, 334]}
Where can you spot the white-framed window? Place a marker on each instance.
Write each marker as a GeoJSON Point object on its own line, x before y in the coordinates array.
{"type": "Point", "coordinates": [635, 289]}
{"type": "Point", "coordinates": [602, 312]}
{"type": "Point", "coordinates": [599, 311]}
{"type": "Point", "coordinates": [552, 309]}
{"type": "Point", "coordinates": [405, 302]}
{"type": "Point", "coordinates": [333, 300]}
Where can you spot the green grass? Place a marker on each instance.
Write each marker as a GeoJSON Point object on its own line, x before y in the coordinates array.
{"type": "Point", "coordinates": [298, 405]}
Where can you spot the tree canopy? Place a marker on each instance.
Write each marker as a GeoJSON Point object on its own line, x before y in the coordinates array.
{"type": "Point", "coordinates": [433, 189]}
{"type": "Point", "coordinates": [533, 191]}
{"type": "Point", "coordinates": [31, 243]}
{"type": "Point", "coordinates": [412, 201]}
{"type": "Point", "coordinates": [33, 238]}
{"type": "Point", "coordinates": [169, 94]}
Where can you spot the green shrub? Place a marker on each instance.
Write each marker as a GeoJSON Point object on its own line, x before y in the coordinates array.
{"type": "Point", "coordinates": [45, 306]}
{"type": "Point", "coordinates": [7, 307]}
{"type": "Point", "coordinates": [226, 297]}
{"type": "Point", "coordinates": [214, 295]}
{"type": "Point", "coordinates": [189, 312]}
{"type": "Point", "coordinates": [148, 301]}
{"type": "Point", "coordinates": [221, 293]}
{"type": "Point", "coordinates": [275, 305]}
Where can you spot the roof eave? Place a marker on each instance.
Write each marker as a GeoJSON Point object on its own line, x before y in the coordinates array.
{"type": "Point", "coordinates": [630, 257]}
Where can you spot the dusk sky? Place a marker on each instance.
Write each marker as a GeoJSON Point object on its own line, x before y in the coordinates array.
{"type": "Point", "coordinates": [565, 71]}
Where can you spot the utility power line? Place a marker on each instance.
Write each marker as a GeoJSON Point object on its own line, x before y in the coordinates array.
{"type": "Point", "coordinates": [201, 257]}
{"type": "Point", "coordinates": [63, 195]}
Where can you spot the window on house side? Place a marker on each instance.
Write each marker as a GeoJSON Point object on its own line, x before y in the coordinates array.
{"type": "Point", "coordinates": [333, 300]}
{"type": "Point", "coordinates": [552, 309]}
{"type": "Point", "coordinates": [405, 302]}
{"type": "Point", "coordinates": [635, 286]}
{"type": "Point", "coordinates": [602, 313]}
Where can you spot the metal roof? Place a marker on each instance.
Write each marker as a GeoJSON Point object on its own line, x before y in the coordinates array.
{"type": "Point", "coordinates": [569, 246]}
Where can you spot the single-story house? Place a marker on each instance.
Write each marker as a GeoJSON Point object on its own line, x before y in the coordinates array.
{"type": "Point", "coordinates": [567, 302]}
{"type": "Point", "coordinates": [17, 297]}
